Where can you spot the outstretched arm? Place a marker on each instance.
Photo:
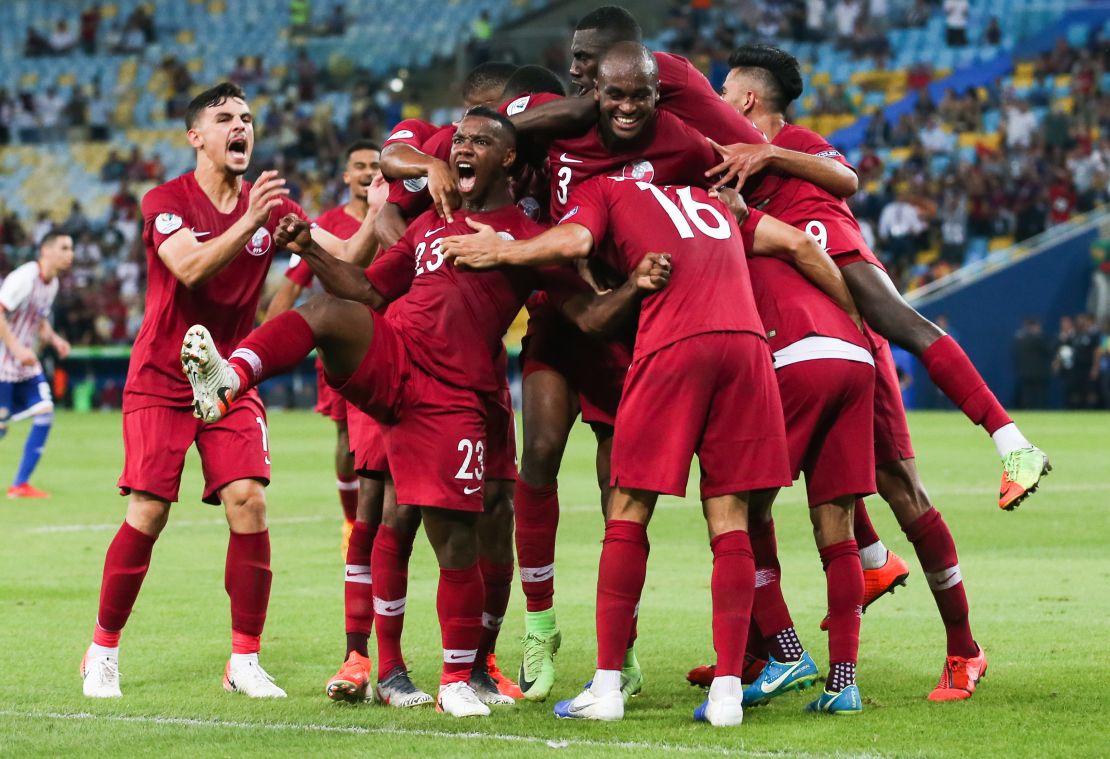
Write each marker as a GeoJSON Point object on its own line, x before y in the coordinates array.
{"type": "Point", "coordinates": [401, 161]}
{"type": "Point", "coordinates": [484, 249]}
{"type": "Point", "coordinates": [340, 278]}
{"type": "Point", "coordinates": [739, 162]}
{"type": "Point", "coordinates": [604, 313]}
{"type": "Point", "coordinates": [556, 118]}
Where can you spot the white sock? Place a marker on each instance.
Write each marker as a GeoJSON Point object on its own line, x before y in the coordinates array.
{"type": "Point", "coordinates": [1008, 438]}
{"type": "Point", "coordinates": [873, 556]}
{"type": "Point", "coordinates": [237, 659]}
{"type": "Point", "coordinates": [725, 687]}
{"type": "Point", "coordinates": [95, 650]}
{"type": "Point", "coordinates": [606, 681]}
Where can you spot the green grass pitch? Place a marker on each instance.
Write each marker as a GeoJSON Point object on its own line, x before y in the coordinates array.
{"type": "Point", "coordinates": [1037, 581]}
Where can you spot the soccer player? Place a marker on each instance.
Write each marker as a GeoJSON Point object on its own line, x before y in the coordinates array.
{"type": "Point", "coordinates": [762, 83]}
{"type": "Point", "coordinates": [209, 238]}
{"type": "Point", "coordinates": [26, 297]}
{"type": "Point", "coordinates": [428, 369]}
{"type": "Point", "coordinates": [699, 345]}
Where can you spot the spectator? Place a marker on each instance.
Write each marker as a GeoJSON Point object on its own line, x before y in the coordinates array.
{"type": "Point", "coordinates": [953, 226]}
{"type": "Point", "coordinates": [1020, 124]}
{"type": "Point", "coordinates": [7, 113]}
{"type": "Point", "coordinates": [815, 20]}
{"type": "Point", "coordinates": [934, 138]}
{"type": "Point", "coordinates": [77, 222]}
{"type": "Point", "coordinates": [337, 21]}
{"type": "Point", "coordinates": [300, 13]}
{"type": "Point", "coordinates": [992, 35]}
{"type": "Point", "coordinates": [100, 115]}
{"type": "Point", "coordinates": [1061, 198]}
{"type": "Point", "coordinates": [35, 44]}
{"type": "Point", "coordinates": [49, 106]}
{"type": "Point", "coordinates": [846, 14]}
{"type": "Point", "coordinates": [1084, 369]}
{"type": "Point", "coordinates": [955, 22]}
{"type": "Point", "coordinates": [1032, 365]}
{"type": "Point", "coordinates": [90, 25]}
{"type": "Point", "coordinates": [901, 228]}
{"type": "Point", "coordinates": [1102, 366]}
{"type": "Point", "coordinates": [63, 38]}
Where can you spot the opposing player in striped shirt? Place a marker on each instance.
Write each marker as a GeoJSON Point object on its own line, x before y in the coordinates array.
{"type": "Point", "coordinates": [26, 297]}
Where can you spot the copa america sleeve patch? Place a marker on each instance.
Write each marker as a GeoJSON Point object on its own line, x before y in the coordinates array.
{"type": "Point", "coordinates": [828, 154]}
{"type": "Point", "coordinates": [517, 105]}
{"type": "Point", "coordinates": [400, 134]}
{"type": "Point", "coordinates": [167, 223]}
{"type": "Point", "coordinates": [568, 214]}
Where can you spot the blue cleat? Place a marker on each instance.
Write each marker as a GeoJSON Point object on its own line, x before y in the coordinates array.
{"type": "Point", "coordinates": [845, 703]}
{"type": "Point", "coordinates": [781, 677]}
{"type": "Point", "coordinates": [608, 707]}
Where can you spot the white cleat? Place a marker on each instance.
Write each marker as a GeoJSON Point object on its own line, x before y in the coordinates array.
{"type": "Point", "coordinates": [486, 689]}
{"type": "Point", "coordinates": [215, 384]}
{"type": "Point", "coordinates": [248, 677]}
{"type": "Point", "coordinates": [460, 700]}
{"type": "Point", "coordinates": [726, 711]}
{"type": "Point", "coordinates": [101, 676]}
{"type": "Point", "coordinates": [608, 707]}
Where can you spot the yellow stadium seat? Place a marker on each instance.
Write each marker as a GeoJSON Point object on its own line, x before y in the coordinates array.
{"type": "Point", "coordinates": [1024, 69]}
{"type": "Point", "coordinates": [820, 79]}
{"type": "Point", "coordinates": [928, 256]}
{"type": "Point", "coordinates": [857, 98]}
{"type": "Point", "coordinates": [970, 139]}
{"type": "Point", "coordinates": [1023, 82]}
{"type": "Point", "coordinates": [216, 7]}
{"type": "Point", "coordinates": [1063, 80]}
{"type": "Point", "coordinates": [998, 243]}
{"type": "Point", "coordinates": [109, 11]}
{"type": "Point", "coordinates": [195, 65]}
{"type": "Point", "coordinates": [185, 37]}
{"type": "Point", "coordinates": [67, 79]}
{"type": "Point", "coordinates": [30, 79]}
{"type": "Point", "coordinates": [1066, 104]}
{"type": "Point", "coordinates": [808, 102]}
{"type": "Point", "coordinates": [898, 155]}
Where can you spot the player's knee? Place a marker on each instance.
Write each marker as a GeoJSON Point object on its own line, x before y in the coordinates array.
{"type": "Point", "coordinates": [540, 458]}
{"type": "Point", "coordinates": [899, 485]}
{"type": "Point", "coordinates": [245, 505]}
{"type": "Point", "coordinates": [147, 514]}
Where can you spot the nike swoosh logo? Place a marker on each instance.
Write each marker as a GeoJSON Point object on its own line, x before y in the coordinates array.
{"type": "Point", "coordinates": [200, 234]}
{"type": "Point", "coordinates": [389, 610]}
{"type": "Point", "coordinates": [771, 686]}
{"type": "Point", "coordinates": [541, 576]}
{"type": "Point", "coordinates": [429, 234]}
{"type": "Point", "coordinates": [471, 490]}
{"type": "Point", "coordinates": [222, 393]}
{"type": "Point", "coordinates": [452, 657]}
{"type": "Point", "coordinates": [357, 574]}
{"type": "Point", "coordinates": [564, 158]}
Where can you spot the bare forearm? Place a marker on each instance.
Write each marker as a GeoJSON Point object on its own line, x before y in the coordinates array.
{"type": "Point", "coordinates": [558, 245]}
{"type": "Point", "coordinates": [604, 314]}
{"type": "Point", "coordinates": [828, 174]}
{"type": "Point", "coordinates": [557, 117]}
{"type": "Point", "coordinates": [341, 278]}
{"type": "Point", "coordinates": [401, 161]}
{"type": "Point", "coordinates": [195, 264]}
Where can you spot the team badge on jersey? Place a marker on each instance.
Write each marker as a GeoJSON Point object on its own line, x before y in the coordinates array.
{"type": "Point", "coordinates": [530, 206]}
{"type": "Point", "coordinates": [416, 185]}
{"type": "Point", "coordinates": [260, 242]}
{"type": "Point", "coordinates": [640, 171]}
{"type": "Point", "coordinates": [167, 223]}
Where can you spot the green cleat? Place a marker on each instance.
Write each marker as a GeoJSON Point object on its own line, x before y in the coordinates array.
{"type": "Point", "coordinates": [1022, 471]}
{"type": "Point", "coordinates": [632, 678]}
{"type": "Point", "coordinates": [537, 671]}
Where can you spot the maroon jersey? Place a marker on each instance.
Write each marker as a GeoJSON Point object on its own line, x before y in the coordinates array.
{"type": "Point", "coordinates": [336, 221]}
{"type": "Point", "coordinates": [411, 195]}
{"type": "Point", "coordinates": [685, 92]}
{"type": "Point", "coordinates": [666, 152]}
{"type": "Point", "coordinates": [805, 205]}
{"type": "Point", "coordinates": [453, 321]}
{"type": "Point", "coordinates": [226, 303]}
{"type": "Point", "coordinates": [709, 290]}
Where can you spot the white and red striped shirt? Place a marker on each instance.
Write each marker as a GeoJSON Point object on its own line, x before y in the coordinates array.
{"type": "Point", "coordinates": [26, 300]}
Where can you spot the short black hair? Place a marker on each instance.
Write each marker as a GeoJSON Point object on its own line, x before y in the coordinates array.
{"type": "Point", "coordinates": [362, 144]}
{"type": "Point", "coordinates": [784, 74]}
{"type": "Point", "coordinates": [491, 75]}
{"type": "Point", "coordinates": [52, 235]}
{"type": "Point", "coordinates": [485, 112]}
{"type": "Point", "coordinates": [531, 79]}
{"type": "Point", "coordinates": [613, 22]}
{"type": "Point", "coordinates": [210, 98]}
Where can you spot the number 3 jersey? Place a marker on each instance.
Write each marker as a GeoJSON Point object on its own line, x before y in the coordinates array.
{"type": "Point", "coordinates": [709, 290]}
{"type": "Point", "coordinates": [451, 320]}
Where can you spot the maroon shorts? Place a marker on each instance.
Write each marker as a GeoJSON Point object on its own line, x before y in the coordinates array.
{"type": "Point", "coordinates": [435, 433]}
{"type": "Point", "coordinates": [595, 369]}
{"type": "Point", "coordinates": [713, 395]}
{"type": "Point", "coordinates": [328, 402]}
{"type": "Point", "coordinates": [892, 431]}
{"type": "Point", "coordinates": [367, 443]}
{"type": "Point", "coordinates": [501, 433]}
{"type": "Point", "coordinates": [829, 406]}
{"type": "Point", "coordinates": [156, 438]}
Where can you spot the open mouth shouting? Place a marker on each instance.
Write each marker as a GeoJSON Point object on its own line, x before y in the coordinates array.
{"type": "Point", "coordinates": [237, 148]}
{"type": "Point", "coordinates": [467, 176]}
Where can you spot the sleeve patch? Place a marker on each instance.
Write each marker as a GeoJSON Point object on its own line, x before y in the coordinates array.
{"type": "Point", "coordinates": [400, 134]}
{"type": "Point", "coordinates": [416, 185]}
{"type": "Point", "coordinates": [517, 105]}
{"type": "Point", "coordinates": [828, 154]}
{"type": "Point", "coordinates": [568, 214]}
{"type": "Point", "coordinates": [167, 223]}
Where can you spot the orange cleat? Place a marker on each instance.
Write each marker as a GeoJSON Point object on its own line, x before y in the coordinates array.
{"type": "Point", "coordinates": [878, 582]}
{"type": "Point", "coordinates": [349, 683]}
{"type": "Point", "coordinates": [703, 676]}
{"type": "Point", "coordinates": [960, 676]}
{"type": "Point", "coordinates": [348, 528]}
{"type": "Point", "coordinates": [505, 686]}
{"type": "Point", "coordinates": [26, 490]}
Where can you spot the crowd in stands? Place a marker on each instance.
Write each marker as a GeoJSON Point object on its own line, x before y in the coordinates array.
{"type": "Point", "coordinates": [1079, 356]}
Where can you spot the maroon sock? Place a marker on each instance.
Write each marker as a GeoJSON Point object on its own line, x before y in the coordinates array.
{"type": "Point", "coordinates": [459, 605]}
{"type": "Point", "coordinates": [952, 371]}
{"type": "Point", "coordinates": [733, 590]}
{"type": "Point", "coordinates": [620, 581]}
{"type": "Point", "coordinates": [769, 607]}
{"type": "Point", "coordinates": [936, 550]}
{"type": "Point", "coordinates": [125, 566]}
{"type": "Point", "coordinates": [862, 527]}
{"type": "Point", "coordinates": [389, 565]}
{"type": "Point", "coordinates": [348, 495]}
{"type": "Point", "coordinates": [358, 589]}
{"type": "Point", "coordinates": [844, 588]}
{"type": "Point", "coordinates": [497, 580]}
{"type": "Point", "coordinates": [537, 520]}
{"type": "Point", "coordinates": [247, 578]}
{"type": "Point", "coordinates": [277, 347]}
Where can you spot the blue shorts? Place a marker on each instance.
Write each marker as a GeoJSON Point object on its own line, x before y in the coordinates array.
{"type": "Point", "coordinates": [18, 398]}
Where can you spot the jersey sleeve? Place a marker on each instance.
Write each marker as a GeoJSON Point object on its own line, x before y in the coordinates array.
{"type": "Point", "coordinates": [518, 105]}
{"type": "Point", "coordinates": [411, 132]}
{"type": "Point", "coordinates": [392, 272]}
{"type": "Point", "coordinates": [165, 214]}
{"type": "Point", "coordinates": [16, 288]}
{"type": "Point", "coordinates": [806, 141]}
{"type": "Point", "coordinates": [747, 229]}
{"type": "Point", "coordinates": [299, 272]}
{"type": "Point", "coordinates": [588, 205]}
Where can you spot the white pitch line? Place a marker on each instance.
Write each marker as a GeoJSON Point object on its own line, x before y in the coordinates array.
{"type": "Point", "coordinates": [554, 743]}
{"type": "Point", "coordinates": [105, 526]}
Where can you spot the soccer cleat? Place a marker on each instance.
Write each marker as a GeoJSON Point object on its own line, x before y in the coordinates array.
{"type": "Point", "coordinates": [349, 683]}
{"type": "Point", "coordinates": [537, 670]}
{"type": "Point", "coordinates": [632, 677]}
{"type": "Point", "coordinates": [780, 677]}
{"type": "Point", "coordinates": [100, 676]}
{"type": "Point", "coordinates": [505, 685]}
{"type": "Point", "coordinates": [26, 490]}
{"type": "Point", "coordinates": [397, 690]}
{"type": "Point", "coordinates": [248, 677]}
{"type": "Point", "coordinates": [703, 676]}
{"type": "Point", "coordinates": [488, 692]}
{"type": "Point", "coordinates": [722, 712]}
{"type": "Point", "coordinates": [212, 378]}
{"type": "Point", "coordinates": [345, 541]}
{"type": "Point", "coordinates": [960, 676]}
{"type": "Point", "coordinates": [460, 700]}
{"type": "Point", "coordinates": [1022, 471]}
{"type": "Point", "coordinates": [880, 581]}
{"type": "Point", "coordinates": [845, 703]}
{"type": "Point", "coordinates": [586, 705]}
